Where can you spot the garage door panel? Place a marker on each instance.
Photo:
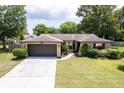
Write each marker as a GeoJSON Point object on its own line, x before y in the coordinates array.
{"type": "Point", "coordinates": [42, 50]}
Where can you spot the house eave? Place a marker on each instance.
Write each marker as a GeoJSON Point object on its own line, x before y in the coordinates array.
{"type": "Point", "coordinates": [95, 41]}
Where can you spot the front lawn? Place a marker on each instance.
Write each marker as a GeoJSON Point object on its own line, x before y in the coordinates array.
{"type": "Point", "coordinates": [119, 48]}
{"type": "Point", "coordinates": [78, 72]}
{"type": "Point", "coordinates": [7, 62]}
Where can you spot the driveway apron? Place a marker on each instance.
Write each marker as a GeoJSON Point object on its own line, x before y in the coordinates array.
{"type": "Point", "coordinates": [36, 72]}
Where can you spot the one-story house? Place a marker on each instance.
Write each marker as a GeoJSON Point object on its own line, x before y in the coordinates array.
{"type": "Point", "coordinates": [50, 44]}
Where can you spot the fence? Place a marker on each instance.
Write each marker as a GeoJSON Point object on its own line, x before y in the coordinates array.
{"type": "Point", "coordinates": [118, 43]}
{"type": "Point", "coordinates": [13, 46]}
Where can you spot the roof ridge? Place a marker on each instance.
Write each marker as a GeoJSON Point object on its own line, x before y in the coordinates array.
{"type": "Point", "coordinates": [53, 37]}
{"type": "Point", "coordinates": [89, 37]}
{"type": "Point", "coordinates": [73, 37]}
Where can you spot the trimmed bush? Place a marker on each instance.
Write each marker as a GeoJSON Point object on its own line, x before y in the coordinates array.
{"type": "Point", "coordinates": [20, 52]}
{"type": "Point", "coordinates": [113, 53]}
{"type": "Point", "coordinates": [84, 48]}
{"type": "Point", "coordinates": [93, 53]}
{"type": "Point", "coordinates": [103, 53]}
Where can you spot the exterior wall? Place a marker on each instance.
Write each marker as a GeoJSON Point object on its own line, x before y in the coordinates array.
{"type": "Point", "coordinates": [69, 43]}
{"type": "Point", "coordinates": [76, 45]}
{"type": "Point", "coordinates": [59, 50]}
{"type": "Point", "coordinates": [108, 45]}
{"type": "Point", "coordinates": [89, 44]}
{"type": "Point", "coordinates": [58, 46]}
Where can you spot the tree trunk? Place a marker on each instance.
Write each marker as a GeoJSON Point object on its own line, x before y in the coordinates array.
{"type": "Point", "coordinates": [4, 44]}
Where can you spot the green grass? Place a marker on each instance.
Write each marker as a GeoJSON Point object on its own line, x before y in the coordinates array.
{"type": "Point", "coordinates": [119, 48]}
{"type": "Point", "coordinates": [7, 62]}
{"type": "Point", "coordinates": [78, 72]}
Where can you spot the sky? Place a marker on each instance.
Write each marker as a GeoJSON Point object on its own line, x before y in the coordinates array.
{"type": "Point", "coordinates": [55, 12]}
{"type": "Point", "coordinates": [50, 15]}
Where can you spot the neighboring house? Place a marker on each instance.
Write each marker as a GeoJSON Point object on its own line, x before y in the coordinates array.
{"type": "Point", "coordinates": [14, 43]}
{"type": "Point", "coordinates": [50, 44]}
{"type": "Point", "coordinates": [27, 35]}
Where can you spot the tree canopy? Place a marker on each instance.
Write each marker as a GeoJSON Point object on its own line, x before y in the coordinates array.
{"type": "Point", "coordinates": [12, 22]}
{"type": "Point", "coordinates": [97, 19]}
{"type": "Point", "coordinates": [40, 29]}
{"type": "Point", "coordinates": [43, 29]}
{"type": "Point", "coordinates": [53, 30]}
{"type": "Point", "coordinates": [68, 27]}
{"type": "Point", "coordinates": [119, 17]}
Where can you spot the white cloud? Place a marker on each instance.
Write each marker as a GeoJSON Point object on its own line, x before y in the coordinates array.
{"type": "Point", "coordinates": [51, 12]}
{"type": "Point", "coordinates": [62, 2]}
{"type": "Point", "coordinates": [50, 15]}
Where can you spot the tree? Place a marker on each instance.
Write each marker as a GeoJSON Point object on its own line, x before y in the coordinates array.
{"type": "Point", "coordinates": [119, 36]}
{"type": "Point", "coordinates": [97, 19]}
{"type": "Point", "coordinates": [68, 27]}
{"type": "Point", "coordinates": [52, 30]}
{"type": "Point", "coordinates": [20, 36]}
{"type": "Point", "coordinates": [119, 17]}
{"type": "Point", "coordinates": [84, 48]}
{"type": "Point", "coordinates": [40, 29]}
{"type": "Point", "coordinates": [12, 22]}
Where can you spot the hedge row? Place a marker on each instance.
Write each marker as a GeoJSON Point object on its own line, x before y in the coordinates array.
{"type": "Point", "coordinates": [111, 54]}
{"type": "Point", "coordinates": [94, 53]}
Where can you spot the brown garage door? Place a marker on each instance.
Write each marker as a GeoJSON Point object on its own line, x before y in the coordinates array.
{"type": "Point", "coordinates": [42, 50]}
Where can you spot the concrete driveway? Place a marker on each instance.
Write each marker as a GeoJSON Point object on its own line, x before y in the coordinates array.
{"type": "Point", "coordinates": [37, 72]}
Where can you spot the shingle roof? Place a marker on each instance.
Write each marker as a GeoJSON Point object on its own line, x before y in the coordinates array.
{"type": "Point", "coordinates": [80, 37]}
{"type": "Point", "coordinates": [66, 37]}
{"type": "Point", "coordinates": [42, 38]}
{"type": "Point", "coordinates": [90, 38]}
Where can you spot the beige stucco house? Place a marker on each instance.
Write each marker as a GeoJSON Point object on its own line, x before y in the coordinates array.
{"type": "Point", "coordinates": [50, 44]}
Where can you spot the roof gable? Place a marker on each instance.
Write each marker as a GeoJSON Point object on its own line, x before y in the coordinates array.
{"type": "Point", "coordinates": [43, 38]}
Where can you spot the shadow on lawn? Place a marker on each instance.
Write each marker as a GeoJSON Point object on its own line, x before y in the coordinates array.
{"type": "Point", "coordinates": [17, 59]}
{"type": "Point", "coordinates": [121, 68]}
{"type": "Point", "coordinates": [4, 50]}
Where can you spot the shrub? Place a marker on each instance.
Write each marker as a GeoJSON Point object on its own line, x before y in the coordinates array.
{"type": "Point", "coordinates": [113, 53]}
{"type": "Point", "coordinates": [121, 68]}
{"type": "Point", "coordinates": [84, 49]}
{"type": "Point", "coordinates": [103, 53]}
{"type": "Point", "coordinates": [20, 52]}
{"type": "Point", "coordinates": [93, 53]}
{"type": "Point", "coordinates": [121, 55]}
{"type": "Point", "coordinates": [64, 49]}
